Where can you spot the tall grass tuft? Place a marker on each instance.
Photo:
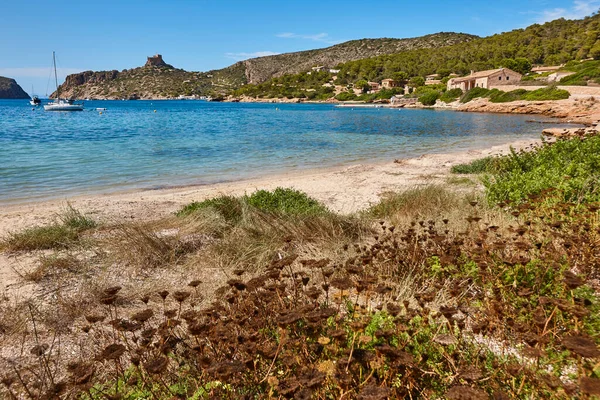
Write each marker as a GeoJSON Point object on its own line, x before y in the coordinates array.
{"type": "Point", "coordinates": [63, 233]}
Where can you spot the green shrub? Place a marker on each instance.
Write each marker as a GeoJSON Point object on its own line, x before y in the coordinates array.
{"type": "Point", "coordinates": [229, 207]}
{"type": "Point", "coordinates": [570, 166]}
{"type": "Point", "coordinates": [478, 166]}
{"type": "Point", "coordinates": [547, 93]}
{"type": "Point", "coordinates": [451, 95]}
{"type": "Point", "coordinates": [474, 93]}
{"type": "Point", "coordinates": [584, 72]}
{"type": "Point", "coordinates": [284, 201]}
{"type": "Point", "coordinates": [281, 201]}
{"type": "Point", "coordinates": [345, 96]}
{"type": "Point", "coordinates": [429, 98]}
{"type": "Point", "coordinates": [498, 96]}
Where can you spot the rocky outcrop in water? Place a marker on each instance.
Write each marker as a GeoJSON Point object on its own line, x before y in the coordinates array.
{"type": "Point", "coordinates": [10, 89]}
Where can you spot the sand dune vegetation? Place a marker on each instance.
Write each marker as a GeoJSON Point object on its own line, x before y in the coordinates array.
{"type": "Point", "coordinates": [431, 293]}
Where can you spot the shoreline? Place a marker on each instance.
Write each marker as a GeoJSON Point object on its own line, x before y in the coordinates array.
{"type": "Point", "coordinates": [356, 187]}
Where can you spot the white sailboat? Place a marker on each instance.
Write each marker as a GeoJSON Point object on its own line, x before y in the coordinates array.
{"type": "Point", "coordinates": [61, 104]}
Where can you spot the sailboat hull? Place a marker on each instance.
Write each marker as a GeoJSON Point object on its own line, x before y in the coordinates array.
{"type": "Point", "coordinates": [63, 107]}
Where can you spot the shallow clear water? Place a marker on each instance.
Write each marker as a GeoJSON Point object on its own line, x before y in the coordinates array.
{"type": "Point", "coordinates": [54, 154]}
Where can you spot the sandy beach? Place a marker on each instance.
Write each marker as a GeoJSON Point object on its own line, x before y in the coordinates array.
{"type": "Point", "coordinates": [344, 190]}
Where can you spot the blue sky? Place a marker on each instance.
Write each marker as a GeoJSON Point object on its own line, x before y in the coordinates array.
{"type": "Point", "coordinates": [203, 35]}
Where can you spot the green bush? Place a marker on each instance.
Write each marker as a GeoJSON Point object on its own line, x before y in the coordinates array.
{"type": "Point", "coordinates": [584, 72]}
{"type": "Point", "coordinates": [547, 93]}
{"type": "Point", "coordinates": [451, 95]}
{"type": "Point", "coordinates": [474, 93]}
{"type": "Point", "coordinates": [429, 98]}
{"type": "Point", "coordinates": [229, 207]}
{"type": "Point", "coordinates": [345, 96]}
{"type": "Point", "coordinates": [498, 96]}
{"type": "Point", "coordinates": [570, 166]}
{"type": "Point", "coordinates": [284, 201]}
{"type": "Point", "coordinates": [478, 166]}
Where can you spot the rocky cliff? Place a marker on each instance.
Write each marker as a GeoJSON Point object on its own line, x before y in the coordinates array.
{"type": "Point", "coordinates": [9, 89]}
{"type": "Point", "coordinates": [155, 80]}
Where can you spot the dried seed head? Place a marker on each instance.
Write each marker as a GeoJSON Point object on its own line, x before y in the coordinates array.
{"type": "Point", "coordinates": [39, 350]}
{"type": "Point", "coordinates": [581, 345]}
{"type": "Point", "coordinates": [111, 291]}
{"type": "Point", "coordinates": [143, 316]}
{"type": "Point", "coordinates": [112, 352]}
{"type": "Point", "coordinates": [180, 296]}
{"type": "Point", "coordinates": [163, 294]}
{"type": "Point", "coordinates": [108, 299]}
{"type": "Point", "coordinates": [157, 365]}
{"type": "Point", "coordinates": [92, 318]}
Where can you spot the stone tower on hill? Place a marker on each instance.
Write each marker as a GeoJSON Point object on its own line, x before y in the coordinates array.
{"type": "Point", "coordinates": [157, 61]}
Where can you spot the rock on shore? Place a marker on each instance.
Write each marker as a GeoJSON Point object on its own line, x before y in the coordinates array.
{"type": "Point", "coordinates": [10, 89]}
{"type": "Point", "coordinates": [578, 110]}
{"type": "Point", "coordinates": [570, 132]}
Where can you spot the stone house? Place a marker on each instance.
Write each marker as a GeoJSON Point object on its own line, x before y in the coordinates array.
{"type": "Point", "coordinates": [388, 83]}
{"type": "Point", "coordinates": [485, 79]}
{"type": "Point", "coordinates": [374, 87]}
{"type": "Point", "coordinates": [432, 79]}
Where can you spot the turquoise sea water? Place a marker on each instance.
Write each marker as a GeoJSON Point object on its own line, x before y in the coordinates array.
{"type": "Point", "coordinates": [56, 154]}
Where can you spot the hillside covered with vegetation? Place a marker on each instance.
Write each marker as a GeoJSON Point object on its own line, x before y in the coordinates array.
{"type": "Point", "coordinates": [552, 43]}
{"type": "Point", "coordinates": [10, 89]}
{"type": "Point", "coordinates": [261, 69]}
{"type": "Point", "coordinates": [168, 82]}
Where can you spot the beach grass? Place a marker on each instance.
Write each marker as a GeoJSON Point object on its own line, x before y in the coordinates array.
{"type": "Point", "coordinates": [489, 301]}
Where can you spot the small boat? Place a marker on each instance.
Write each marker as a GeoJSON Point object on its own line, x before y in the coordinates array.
{"type": "Point", "coordinates": [35, 100]}
{"type": "Point", "coordinates": [61, 104]}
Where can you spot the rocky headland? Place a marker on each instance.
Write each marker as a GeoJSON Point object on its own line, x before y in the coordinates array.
{"type": "Point", "coordinates": [10, 89]}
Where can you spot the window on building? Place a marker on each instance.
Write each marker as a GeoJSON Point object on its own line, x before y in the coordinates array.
{"type": "Point", "coordinates": [499, 78]}
{"type": "Point", "coordinates": [508, 77]}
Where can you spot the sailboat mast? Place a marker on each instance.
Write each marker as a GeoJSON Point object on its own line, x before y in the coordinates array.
{"type": "Point", "coordinates": [55, 75]}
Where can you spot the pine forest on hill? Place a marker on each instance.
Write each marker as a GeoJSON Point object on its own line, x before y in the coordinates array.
{"type": "Point", "coordinates": [552, 43]}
